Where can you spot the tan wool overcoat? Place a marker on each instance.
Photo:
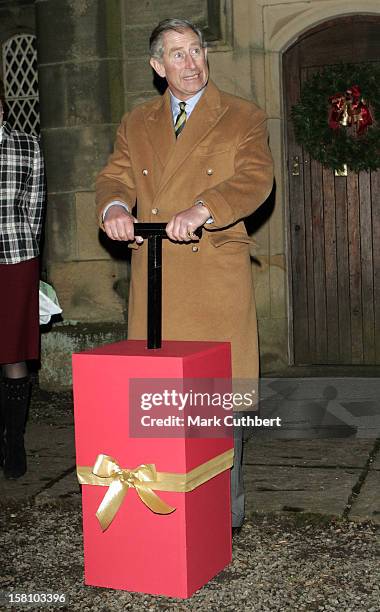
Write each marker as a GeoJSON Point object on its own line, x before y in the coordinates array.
{"type": "Point", "coordinates": [222, 158]}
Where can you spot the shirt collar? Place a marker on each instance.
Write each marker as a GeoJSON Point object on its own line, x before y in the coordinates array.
{"type": "Point", "coordinates": [190, 103]}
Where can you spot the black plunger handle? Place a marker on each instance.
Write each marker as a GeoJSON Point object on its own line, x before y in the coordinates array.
{"type": "Point", "coordinates": [155, 233]}
{"type": "Point", "coordinates": [147, 230]}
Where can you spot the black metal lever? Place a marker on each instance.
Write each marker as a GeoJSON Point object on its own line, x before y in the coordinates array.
{"type": "Point", "coordinates": [155, 233]}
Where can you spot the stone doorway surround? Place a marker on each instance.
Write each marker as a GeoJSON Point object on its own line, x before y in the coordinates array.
{"type": "Point", "coordinates": [252, 68]}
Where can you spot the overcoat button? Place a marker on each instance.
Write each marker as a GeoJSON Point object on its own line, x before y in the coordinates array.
{"type": "Point", "coordinates": [145, 172]}
{"type": "Point", "coordinates": [195, 249]}
{"type": "Point", "coordinates": [155, 211]}
{"type": "Point", "coordinates": [210, 171]}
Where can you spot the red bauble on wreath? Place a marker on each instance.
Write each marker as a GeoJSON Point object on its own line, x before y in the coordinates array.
{"type": "Point", "coordinates": [341, 128]}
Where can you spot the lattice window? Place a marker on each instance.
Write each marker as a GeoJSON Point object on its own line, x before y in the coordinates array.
{"type": "Point", "coordinates": [21, 83]}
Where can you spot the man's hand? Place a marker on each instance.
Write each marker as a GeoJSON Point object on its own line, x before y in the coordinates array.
{"type": "Point", "coordinates": [182, 226]}
{"type": "Point", "coordinates": [119, 224]}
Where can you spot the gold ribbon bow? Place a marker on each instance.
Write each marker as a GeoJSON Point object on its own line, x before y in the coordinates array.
{"type": "Point", "coordinates": [108, 473]}
{"type": "Point", "coordinates": [122, 480]}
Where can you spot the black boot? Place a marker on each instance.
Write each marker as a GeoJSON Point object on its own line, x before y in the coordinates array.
{"type": "Point", "coordinates": [15, 393]}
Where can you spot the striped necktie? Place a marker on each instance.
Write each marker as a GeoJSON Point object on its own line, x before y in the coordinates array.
{"type": "Point", "coordinates": [181, 119]}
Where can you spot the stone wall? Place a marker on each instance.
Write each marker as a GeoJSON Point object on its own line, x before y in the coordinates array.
{"type": "Point", "coordinates": [93, 67]}
{"type": "Point", "coordinates": [82, 100]}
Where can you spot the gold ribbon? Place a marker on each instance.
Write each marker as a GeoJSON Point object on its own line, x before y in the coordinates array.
{"type": "Point", "coordinates": [145, 479]}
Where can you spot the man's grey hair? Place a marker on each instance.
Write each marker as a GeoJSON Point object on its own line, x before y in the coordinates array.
{"type": "Point", "coordinates": [156, 46]}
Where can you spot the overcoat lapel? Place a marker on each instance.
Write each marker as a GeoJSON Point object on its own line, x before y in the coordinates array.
{"type": "Point", "coordinates": [171, 152]}
{"type": "Point", "coordinates": [159, 125]}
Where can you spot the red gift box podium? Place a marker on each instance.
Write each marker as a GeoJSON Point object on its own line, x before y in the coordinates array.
{"type": "Point", "coordinates": [173, 554]}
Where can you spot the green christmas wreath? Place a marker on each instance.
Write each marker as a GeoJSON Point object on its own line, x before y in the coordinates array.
{"type": "Point", "coordinates": [338, 115]}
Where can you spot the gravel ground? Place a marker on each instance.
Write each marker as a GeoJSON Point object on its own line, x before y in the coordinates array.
{"type": "Point", "coordinates": [50, 406]}
{"type": "Point", "coordinates": [279, 564]}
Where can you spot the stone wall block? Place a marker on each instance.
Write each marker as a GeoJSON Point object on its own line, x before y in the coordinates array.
{"type": "Point", "coordinates": [138, 75]}
{"type": "Point", "coordinates": [258, 79]}
{"type": "Point", "coordinates": [90, 243]}
{"type": "Point", "coordinates": [260, 271]}
{"type": "Point", "coordinates": [60, 234]}
{"type": "Point", "coordinates": [136, 40]}
{"type": "Point", "coordinates": [278, 302]}
{"type": "Point", "coordinates": [222, 71]}
{"type": "Point", "coordinates": [261, 238]}
{"type": "Point", "coordinates": [75, 156]}
{"type": "Point", "coordinates": [59, 343]}
{"type": "Point", "coordinates": [277, 220]}
{"type": "Point", "coordinates": [76, 30]}
{"type": "Point", "coordinates": [65, 93]}
{"type": "Point", "coordinates": [273, 341]}
{"type": "Point", "coordinates": [151, 12]}
{"type": "Point", "coordinates": [16, 19]}
{"type": "Point", "coordinates": [81, 298]}
{"type": "Point", "coordinates": [248, 21]}
{"type": "Point", "coordinates": [273, 101]}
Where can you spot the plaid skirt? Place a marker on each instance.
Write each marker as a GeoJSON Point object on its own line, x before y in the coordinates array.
{"type": "Point", "coordinates": [19, 311]}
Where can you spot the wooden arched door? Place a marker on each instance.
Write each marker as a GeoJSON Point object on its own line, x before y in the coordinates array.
{"type": "Point", "coordinates": [334, 222]}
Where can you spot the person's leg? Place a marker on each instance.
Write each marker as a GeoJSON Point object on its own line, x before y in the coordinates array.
{"type": "Point", "coordinates": [15, 370]}
{"type": "Point", "coordinates": [237, 484]}
{"type": "Point", "coordinates": [15, 393]}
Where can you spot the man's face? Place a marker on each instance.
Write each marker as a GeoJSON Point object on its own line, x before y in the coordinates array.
{"type": "Point", "coordinates": [183, 64]}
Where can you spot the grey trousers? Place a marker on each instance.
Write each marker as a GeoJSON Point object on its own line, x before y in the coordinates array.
{"type": "Point", "coordinates": [237, 484]}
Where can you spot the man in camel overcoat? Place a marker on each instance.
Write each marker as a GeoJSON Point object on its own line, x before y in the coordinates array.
{"type": "Point", "coordinates": [194, 157]}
